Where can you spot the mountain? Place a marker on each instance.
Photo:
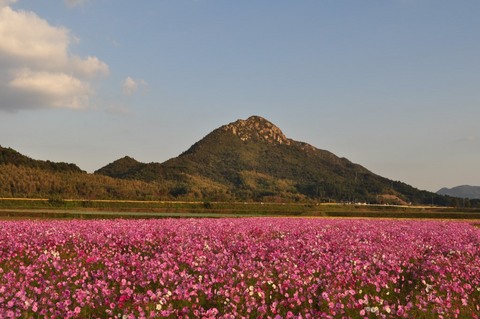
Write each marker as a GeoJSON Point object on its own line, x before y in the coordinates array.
{"type": "Point", "coordinates": [253, 160]}
{"type": "Point", "coordinates": [464, 191]}
{"type": "Point", "coordinates": [247, 160]}
{"type": "Point", "coordinates": [10, 156]}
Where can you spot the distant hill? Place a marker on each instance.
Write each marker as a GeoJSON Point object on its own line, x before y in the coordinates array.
{"type": "Point", "coordinates": [253, 160]}
{"type": "Point", "coordinates": [10, 156]}
{"type": "Point", "coordinates": [464, 191]}
{"type": "Point", "coordinates": [22, 176]}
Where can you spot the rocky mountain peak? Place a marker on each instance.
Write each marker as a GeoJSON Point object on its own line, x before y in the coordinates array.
{"type": "Point", "coordinates": [256, 127]}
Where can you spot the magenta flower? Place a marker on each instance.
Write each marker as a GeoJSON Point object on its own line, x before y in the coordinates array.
{"type": "Point", "coordinates": [252, 268]}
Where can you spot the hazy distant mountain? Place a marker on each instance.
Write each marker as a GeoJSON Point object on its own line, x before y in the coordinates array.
{"type": "Point", "coordinates": [464, 191]}
{"type": "Point", "coordinates": [253, 159]}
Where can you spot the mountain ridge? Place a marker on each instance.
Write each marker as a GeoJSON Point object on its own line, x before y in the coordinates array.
{"type": "Point", "coordinates": [253, 159]}
{"type": "Point", "coordinates": [245, 160]}
{"type": "Point", "coordinates": [11, 156]}
{"type": "Point", "coordinates": [462, 191]}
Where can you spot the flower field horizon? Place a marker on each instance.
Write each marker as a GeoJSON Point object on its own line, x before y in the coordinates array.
{"type": "Point", "coordinates": [239, 268]}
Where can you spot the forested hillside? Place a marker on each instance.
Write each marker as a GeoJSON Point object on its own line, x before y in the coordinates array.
{"type": "Point", "coordinates": [11, 156]}
{"type": "Point", "coordinates": [24, 181]}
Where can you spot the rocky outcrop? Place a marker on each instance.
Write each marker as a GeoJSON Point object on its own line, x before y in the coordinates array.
{"type": "Point", "coordinates": [255, 128]}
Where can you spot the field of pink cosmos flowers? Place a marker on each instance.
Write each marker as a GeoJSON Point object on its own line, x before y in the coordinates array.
{"type": "Point", "coordinates": [239, 268]}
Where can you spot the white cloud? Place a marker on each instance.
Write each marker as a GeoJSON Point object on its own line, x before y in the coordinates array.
{"type": "Point", "coordinates": [131, 86]}
{"type": "Point", "coordinates": [59, 89]}
{"type": "Point", "coordinates": [90, 66]}
{"type": "Point", "coordinates": [40, 70]}
{"type": "Point", "coordinates": [26, 38]}
{"type": "Point", "coordinates": [4, 3]}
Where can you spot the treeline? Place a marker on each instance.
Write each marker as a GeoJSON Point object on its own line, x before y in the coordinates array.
{"type": "Point", "coordinates": [11, 156]}
{"type": "Point", "coordinates": [21, 181]}
{"type": "Point", "coordinates": [33, 182]}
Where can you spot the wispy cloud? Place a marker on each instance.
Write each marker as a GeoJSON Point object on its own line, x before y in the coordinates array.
{"type": "Point", "coordinates": [39, 70]}
{"type": "Point", "coordinates": [74, 3]}
{"type": "Point", "coordinates": [131, 86]}
{"type": "Point", "coordinates": [4, 3]}
{"type": "Point", "coordinates": [468, 139]}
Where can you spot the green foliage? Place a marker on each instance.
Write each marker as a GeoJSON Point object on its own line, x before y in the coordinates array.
{"type": "Point", "coordinates": [10, 156]}
{"type": "Point", "coordinates": [57, 201]}
{"type": "Point", "coordinates": [121, 168]}
{"type": "Point", "coordinates": [20, 181]}
{"type": "Point", "coordinates": [207, 205]}
{"type": "Point", "coordinates": [179, 190]}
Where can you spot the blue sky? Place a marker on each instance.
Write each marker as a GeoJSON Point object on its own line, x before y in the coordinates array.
{"type": "Point", "coordinates": [393, 85]}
